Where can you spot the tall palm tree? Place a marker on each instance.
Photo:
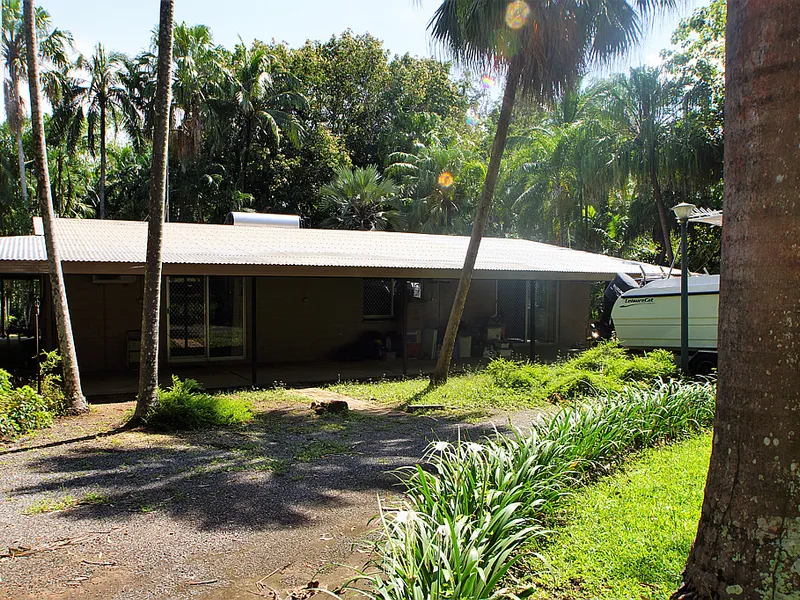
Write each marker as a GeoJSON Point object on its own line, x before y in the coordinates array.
{"type": "Point", "coordinates": [266, 101]}
{"type": "Point", "coordinates": [53, 48]}
{"type": "Point", "coordinates": [147, 399]}
{"type": "Point", "coordinates": [69, 358]}
{"type": "Point", "coordinates": [565, 177]}
{"type": "Point", "coordinates": [542, 46]}
{"type": "Point", "coordinates": [197, 65]}
{"type": "Point", "coordinates": [103, 95]}
{"type": "Point", "coordinates": [430, 179]}
{"type": "Point", "coordinates": [748, 534]}
{"type": "Point", "coordinates": [65, 128]}
{"type": "Point", "coordinates": [360, 199]}
{"type": "Point", "coordinates": [136, 77]}
{"type": "Point", "coordinates": [642, 104]}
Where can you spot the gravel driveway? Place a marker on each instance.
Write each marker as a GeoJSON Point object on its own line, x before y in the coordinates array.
{"type": "Point", "coordinates": [214, 514]}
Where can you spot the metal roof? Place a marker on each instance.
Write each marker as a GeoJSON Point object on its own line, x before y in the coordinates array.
{"type": "Point", "coordinates": [95, 246]}
{"type": "Point", "coordinates": [706, 215]}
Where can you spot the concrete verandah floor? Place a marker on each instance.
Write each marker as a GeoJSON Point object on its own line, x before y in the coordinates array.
{"type": "Point", "coordinates": [220, 375]}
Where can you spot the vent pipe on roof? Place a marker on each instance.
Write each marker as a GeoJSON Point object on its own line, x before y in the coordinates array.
{"type": "Point", "coordinates": [253, 219]}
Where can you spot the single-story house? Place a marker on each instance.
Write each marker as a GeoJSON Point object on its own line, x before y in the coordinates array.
{"type": "Point", "coordinates": [246, 296]}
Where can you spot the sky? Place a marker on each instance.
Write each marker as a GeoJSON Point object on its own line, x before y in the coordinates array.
{"type": "Point", "coordinates": [126, 25]}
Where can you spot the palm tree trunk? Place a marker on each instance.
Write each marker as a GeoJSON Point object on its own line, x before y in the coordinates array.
{"type": "Point", "coordinates": [103, 160]}
{"type": "Point", "coordinates": [16, 118]}
{"type": "Point", "coordinates": [662, 210]}
{"type": "Point", "coordinates": [23, 178]}
{"type": "Point", "coordinates": [439, 376]}
{"type": "Point", "coordinates": [59, 182]}
{"type": "Point", "coordinates": [749, 532]}
{"type": "Point", "coordinates": [245, 157]}
{"type": "Point", "coordinates": [147, 400]}
{"type": "Point", "coordinates": [69, 358]}
{"type": "Point", "coordinates": [582, 211]}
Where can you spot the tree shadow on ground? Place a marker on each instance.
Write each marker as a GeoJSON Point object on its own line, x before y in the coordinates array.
{"type": "Point", "coordinates": [273, 472]}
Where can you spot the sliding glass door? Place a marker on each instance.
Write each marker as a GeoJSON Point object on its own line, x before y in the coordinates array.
{"type": "Point", "coordinates": [205, 317]}
{"type": "Point", "coordinates": [225, 317]}
{"type": "Point", "coordinates": [187, 317]}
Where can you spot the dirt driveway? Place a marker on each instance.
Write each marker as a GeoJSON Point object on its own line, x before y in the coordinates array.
{"type": "Point", "coordinates": [212, 514]}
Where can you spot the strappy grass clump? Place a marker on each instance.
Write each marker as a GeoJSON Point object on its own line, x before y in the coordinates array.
{"type": "Point", "coordinates": [472, 505]}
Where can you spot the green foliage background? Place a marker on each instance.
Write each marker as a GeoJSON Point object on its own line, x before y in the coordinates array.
{"type": "Point", "coordinates": [266, 127]}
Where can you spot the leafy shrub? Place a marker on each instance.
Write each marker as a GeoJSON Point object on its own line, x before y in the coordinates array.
{"type": "Point", "coordinates": [52, 390]}
{"type": "Point", "coordinates": [21, 409]}
{"type": "Point", "coordinates": [185, 405]}
{"type": "Point", "coordinates": [605, 368]}
{"type": "Point", "coordinates": [473, 505]}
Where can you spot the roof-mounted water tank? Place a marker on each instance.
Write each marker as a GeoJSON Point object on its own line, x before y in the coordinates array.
{"type": "Point", "coordinates": [254, 219]}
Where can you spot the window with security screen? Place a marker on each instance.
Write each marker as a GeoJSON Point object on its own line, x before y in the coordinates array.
{"type": "Point", "coordinates": [379, 298]}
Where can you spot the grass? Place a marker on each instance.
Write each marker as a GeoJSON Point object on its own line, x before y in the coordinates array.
{"type": "Point", "coordinates": [185, 405]}
{"type": "Point", "coordinates": [512, 385]}
{"type": "Point", "coordinates": [47, 505]}
{"type": "Point", "coordinates": [473, 505]}
{"type": "Point", "coordinates": [627, 536]}
{"type": "Point", "coordinates": [466, 392]}
{"type": "Point", "coordinates": [604, 368]}
{"type": "Point", "coordinates": [319, 449]}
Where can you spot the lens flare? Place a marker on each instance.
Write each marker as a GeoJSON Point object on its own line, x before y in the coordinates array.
{"type": "Point", "coordinates": [487, 81]}
{"type": "Point", "coordinates": [472, 118]}
{"type": "Point", "coordinates": [446, 179]}
{"type": "Point", "coordinates": [517, 13]}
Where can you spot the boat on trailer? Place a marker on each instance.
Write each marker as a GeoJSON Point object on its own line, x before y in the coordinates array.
{"type": "Point", "coordinates": [650, 316]}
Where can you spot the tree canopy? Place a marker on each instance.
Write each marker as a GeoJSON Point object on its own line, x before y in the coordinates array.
{"type": "Point", "coordinates": [270, 128]}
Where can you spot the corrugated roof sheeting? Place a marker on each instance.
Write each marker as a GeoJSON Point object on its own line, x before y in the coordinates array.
{"type": "Point", "coordinates": [22, 248]}
{"type": "Point", "coordinates": [95, 241]}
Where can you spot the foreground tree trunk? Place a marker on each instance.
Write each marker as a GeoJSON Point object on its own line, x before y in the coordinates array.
{"type": "Point", "coordinates": [439, 376]}
{"type": "Point", "coordinates": [748, 539]}
{"type": "Point", "coordinates": [69, 359]}
{"type": "Point", "coordinates": [147, 400]}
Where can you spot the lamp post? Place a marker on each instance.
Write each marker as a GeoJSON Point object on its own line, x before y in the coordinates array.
{"type": "Point", "coordinates": [683, 211]}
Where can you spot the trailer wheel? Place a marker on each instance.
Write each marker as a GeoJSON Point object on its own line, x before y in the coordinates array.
{"type": "Point", "coordinates": [703, 363]}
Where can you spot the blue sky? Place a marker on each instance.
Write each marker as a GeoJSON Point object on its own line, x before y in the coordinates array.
{"type": "Point", "coordinates": [125, 25]}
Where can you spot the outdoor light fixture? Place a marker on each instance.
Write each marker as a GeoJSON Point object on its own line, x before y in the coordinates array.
{"type": "Point", "coordinates": [683, 211]}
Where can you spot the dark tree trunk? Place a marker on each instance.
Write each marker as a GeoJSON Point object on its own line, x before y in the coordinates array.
{"type": "Point", "coordinates": [748, 539]}
{"type": "Point", "coordinates": [59, 181]}
{"type": "Point", "coordinates": [439, 376]}
{"type": "Point", "coordinates": [147, 400]}
{"type": "Point", "coordinates": [69, 358]}
{"type": "Point", "coordinates": [103, 160]}
{"type": "Point", "coordinates": [663, 219]}
{"type": "Point", "coordinates": [245, 157]}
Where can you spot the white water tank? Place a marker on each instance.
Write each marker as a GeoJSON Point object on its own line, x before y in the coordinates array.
{"type": "Point", "coordinates": [254, 219]}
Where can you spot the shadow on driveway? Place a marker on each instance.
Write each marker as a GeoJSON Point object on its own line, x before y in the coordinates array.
{"type": "Point", "coordinates": [274, 472]}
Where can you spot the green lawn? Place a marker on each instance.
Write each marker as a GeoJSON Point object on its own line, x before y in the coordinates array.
{"type": "Point", "coordinates": [628, 536]}
{"type": "Point", "coordinates": [471, 391]}
{"type": "Point", "coordinates": [505, 384]}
